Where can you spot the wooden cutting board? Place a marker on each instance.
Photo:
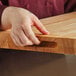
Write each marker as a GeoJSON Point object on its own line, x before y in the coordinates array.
{"type": "Point", "coordinates": [62, 38]}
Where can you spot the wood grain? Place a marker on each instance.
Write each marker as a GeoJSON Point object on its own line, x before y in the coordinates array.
{"type": "Point", "coordinates": [62, 38]}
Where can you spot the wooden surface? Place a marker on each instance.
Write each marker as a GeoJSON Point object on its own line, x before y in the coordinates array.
{"type": "Point", "coordinates": [62, 38]}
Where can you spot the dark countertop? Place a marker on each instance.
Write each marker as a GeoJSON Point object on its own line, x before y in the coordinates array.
{"type": "Point", "coordinates": [20, 63]}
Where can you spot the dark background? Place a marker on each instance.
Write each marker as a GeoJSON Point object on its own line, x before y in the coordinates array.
{"type": "Point", "coordinates": [23, 63]}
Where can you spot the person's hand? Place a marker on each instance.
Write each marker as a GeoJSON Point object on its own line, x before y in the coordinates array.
{"type": "Point", "coordinates": [21, 21]}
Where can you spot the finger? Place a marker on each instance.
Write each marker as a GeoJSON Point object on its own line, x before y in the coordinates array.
{"type": "Point", "coordinates": [24, 40]}
{"type": "Point", "coordinates": [39, 26]}
{"type": "Point", "coordinates": [29, 33]}
{"type": "Point", "coordinates": [16, 40]}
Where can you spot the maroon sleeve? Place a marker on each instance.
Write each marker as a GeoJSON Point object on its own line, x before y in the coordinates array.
{"type": "Point", "coordinates": [2, 7]}
{"type": "Point", "coordinates": [70, 6]}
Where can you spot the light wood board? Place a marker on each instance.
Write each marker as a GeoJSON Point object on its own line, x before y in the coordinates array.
{"type": "Point", "coordinates": [62, 38]}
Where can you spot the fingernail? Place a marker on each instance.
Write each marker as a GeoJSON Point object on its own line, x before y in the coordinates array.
{"type": "Point", "coordinates": [30, 43]}
{"type": "Point", "coordinates": [47, 32]}
{"type": "Point", "coordinates": [38, 42]}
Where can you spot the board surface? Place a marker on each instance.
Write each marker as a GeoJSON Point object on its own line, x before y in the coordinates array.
{"type": "Point", "coordinates": [62, 38]}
